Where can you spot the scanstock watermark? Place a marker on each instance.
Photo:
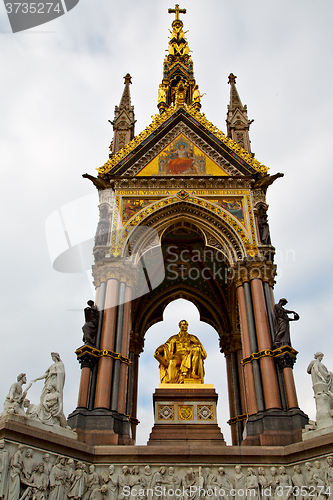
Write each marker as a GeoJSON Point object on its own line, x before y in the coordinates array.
{"type": "Point", "coordinates": [29, 14]}
{"type": "Point", "coordinates": [218, 492]}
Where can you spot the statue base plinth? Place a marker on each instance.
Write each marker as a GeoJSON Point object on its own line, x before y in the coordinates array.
{"type": "Point", "coordinates": [275, 427]}
{"type": "Point", "coordinates": [185, 413]}
{"type": "Point", "coordinates": [29, 422]}
{"type": "Point", "coordinates": [100, 426]}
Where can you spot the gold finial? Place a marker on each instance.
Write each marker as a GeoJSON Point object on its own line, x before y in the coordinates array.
{"type": "Point", "coordinates": [128, 78]}
{"type": "Point", "coordinates": [177, 11]}
{"type": "Point", "coordinates": [232, 78]}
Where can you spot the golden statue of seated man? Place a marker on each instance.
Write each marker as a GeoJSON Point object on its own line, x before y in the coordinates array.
{"type": "Point", "coordinates": [181, 358]}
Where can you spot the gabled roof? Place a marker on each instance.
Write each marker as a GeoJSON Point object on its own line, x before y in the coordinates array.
{"type": "Point", "coordinates": [122, 162]}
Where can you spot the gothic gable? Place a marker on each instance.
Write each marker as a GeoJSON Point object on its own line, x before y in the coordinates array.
{"type": "Point", "coordinates": [145, 154]}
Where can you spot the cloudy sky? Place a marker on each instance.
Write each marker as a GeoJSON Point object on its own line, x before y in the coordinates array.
{"type": "Point", "coordinates": [60, 83]}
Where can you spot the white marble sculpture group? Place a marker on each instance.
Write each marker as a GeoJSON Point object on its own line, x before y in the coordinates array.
{"type": "Point", "coordinates": [49, 411]}
{"type": "Point", "coordinates": [322, 384]}
{"type": "Point", "coordinates": [61, 478]}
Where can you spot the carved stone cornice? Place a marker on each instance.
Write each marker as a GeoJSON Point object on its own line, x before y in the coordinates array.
{"type": "Point", "coordinates": [248, 270]}
{"type": "Point", "coordinates": [231, 342]}
{"type": "Point", "coordinates": [223, 182]}
{"type": "Point", "coordinates": [115, 270]}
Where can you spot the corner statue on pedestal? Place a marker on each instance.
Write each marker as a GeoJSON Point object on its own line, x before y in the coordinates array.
{"type": "Point", "coordinates": [282, 320]}
{"type": "Point", "coordinates": [181, 358]}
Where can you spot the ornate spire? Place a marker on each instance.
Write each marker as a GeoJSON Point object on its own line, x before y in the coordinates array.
{"type": "Point", "coordinates": [124, 119]}
{"type": "Point", "coordinates": [178, 85]}
{"type": "Point", "coordinates": [238, 123]}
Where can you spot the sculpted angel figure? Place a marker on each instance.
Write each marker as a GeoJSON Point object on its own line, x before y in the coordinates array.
{"type": "Point", "coordinates": [181, 357]}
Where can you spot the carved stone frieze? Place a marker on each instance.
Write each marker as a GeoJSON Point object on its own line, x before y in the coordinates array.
{"type": "Point", "coordinates": [37, 473]}
{"type": "Point", "coordinates": [182, 183]}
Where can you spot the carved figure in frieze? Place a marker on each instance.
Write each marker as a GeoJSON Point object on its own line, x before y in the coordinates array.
{"type": "Point", "coordinates": [111, 482]}
{"type": "Point", "coordinates": [15, 469]}
{"type": "Point", "coordinates": [274, 482]}
{"type": "Point", "coordinates": [328, 472]}
{"type": "Point", "coordinates": [299, 482]}
{"type": "Point", "coordinates": [50, 409]}
{"type": "Point", "coordinates": [29, 464]}
{"type": "Point", "coordinates": [100, 493]}
{"type": "Point", "coordinates": [190, 484]}
{"type": "Point", "coordinates": [263, 482]}
{"type": "Point", "coordinates": [47, 464]}
{"type": "Point", "coordinates": [285, 484]}
{"type": "Point", "coordinates": [57, 479]}
{"type": "Point", "coordinates": [264, 233]}
{"type": "Point", "coordinates": [282, 320]}
{"type": "Point", "coordinates": [4, 465]}
{"type": "Point", "coordinates": [79, 486]}
{"type": "Point", "coordinates": [14, 402]}
{"type": "Point", "coordinates": [91, 316]}
{"type": "Point", "coordinates": [174, 483]}
{"type": "Point", "coordinates": [238, 480]}
{"type": "Point", "coordinates": [318, 469]}
{"type": "Point", "coordinates": [320, 490]}
{"type": "Point", "coordinates": [251, 484]}
{"type": "Point", "coordinates": [93, 481]}
{"type": "Point", "coordinates": [208, 479]}
{"type": "Point", "coordinates": [309, 474]}
{"type": "Point", "coordinates": [224, 484]}
{"type": "Point", "coordinates": [124, 482]}
{"type": "Point", "coordinates": [36, 485]}
{"type": "Point", "coordinates": [135, 483]}
{"type": "Point", "coordinates": [159, 480]}
{"type": "Point", "coordinates": [69, 469]}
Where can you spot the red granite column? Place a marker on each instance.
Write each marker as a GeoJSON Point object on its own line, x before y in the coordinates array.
{"type": "Point", "coordinates": [84, 387]}
{"type": "Point", "coordinates": [290, 387]}
{"type": "Point", "coordinates": [267, 363]}
{"type": "Point", "coordinates": [135, 393]}
{"type": "Point", "coordinates": [248, 371]}
{"type": "Point", "coordinates": [232, 409]}
{"type": "Point", "coordinates": [242, 386]}
{"type": "Point", "coordinates": [124, 351]}
{"type": "Point", "coordinates": [105, 365]}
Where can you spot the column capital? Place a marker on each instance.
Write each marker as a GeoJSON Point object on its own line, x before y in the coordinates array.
{"type": "Point", "coordinates": [115, 270]}
{"type": "Point", "coordinates": [136, 343]}
{"type": "Point", "coordinates": [247, 270]}
{"type": "Point", "coordinates": [230, 342]}
{"type": "Point", "coordinates": [87, 356]}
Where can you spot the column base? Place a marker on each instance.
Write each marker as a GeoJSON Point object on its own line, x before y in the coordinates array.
{"type": "Point", "coordinates": [101, 426]}
{"type": "Point", "coordinates": [275, 427]}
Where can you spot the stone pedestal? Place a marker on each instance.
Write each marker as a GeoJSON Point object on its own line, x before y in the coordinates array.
{"type": "Point", "coordinates": [100, 426]}
{"type": "Point", "coordinates": [275, 427]}
{"type": "Point", "coordinates": [185, 413]}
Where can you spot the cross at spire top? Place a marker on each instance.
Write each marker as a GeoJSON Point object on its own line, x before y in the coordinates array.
{"type": "Point", "coordinates": [177, 11]}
